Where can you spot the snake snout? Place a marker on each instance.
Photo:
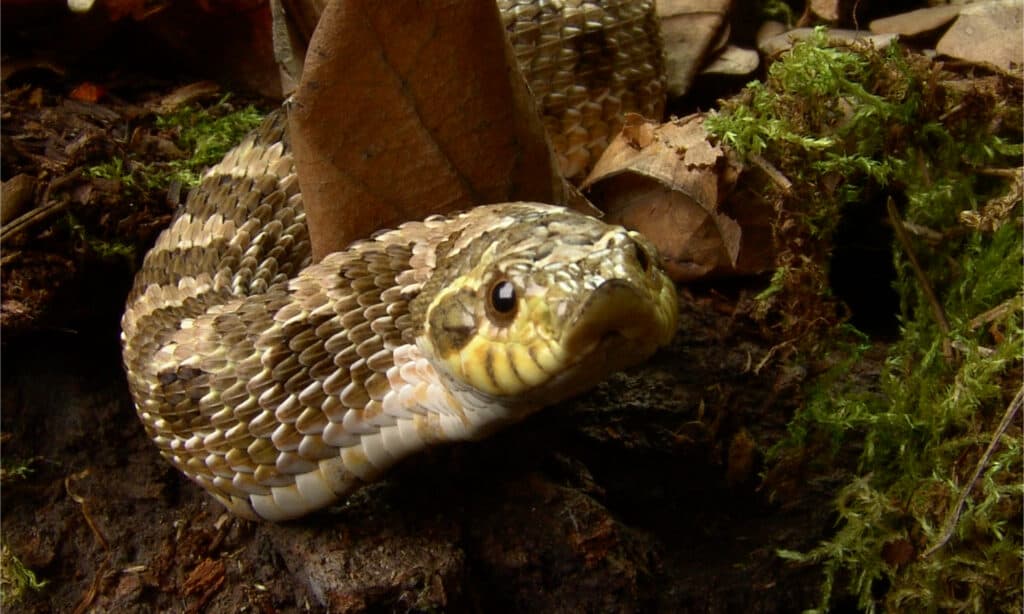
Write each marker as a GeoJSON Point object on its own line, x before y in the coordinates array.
{"type": "Point", "coordinates": [617, 310]}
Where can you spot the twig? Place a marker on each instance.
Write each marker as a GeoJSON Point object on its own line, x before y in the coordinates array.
{"type": "Point", "coordinates": [29, 219]}
{"type": "Point", "coordinates": [950, 112]}
{"type": "Point", "coordinates": [967, 348]}
{"type": "Point", "coordinates": [10, 256]}
{"type": "Point", "coordinates": [996, 312]}
{"type": "Point", "coordinates": [1012, 173]}
{"type": "Point", "coordinates": [924, 231]}
{"type": "Point", "coordinates": [90, 595]}
{"type": "Point", "coordinates": [933, 301]}
{"type": "Point", "coordinates": [773, 173]}
{"type": "Point", "coordinates": [40, 214]}
{"type": "Point", "coordinates": [954, 517]}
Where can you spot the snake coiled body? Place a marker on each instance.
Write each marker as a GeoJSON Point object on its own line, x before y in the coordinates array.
{"type": "Point", "coordinates": [280, 385]}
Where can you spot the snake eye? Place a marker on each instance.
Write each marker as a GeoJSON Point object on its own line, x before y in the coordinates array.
{"type": "Point", "coordinates": [501, 302]}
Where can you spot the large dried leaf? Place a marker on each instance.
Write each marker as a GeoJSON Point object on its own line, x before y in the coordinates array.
{"type": "Point", "coordinates": [733, 60]}
{"type": "Point", "coordinates": [916, 22]}
{"type": "Point", "coordinates": [826, 9]}
{"type": "Point", "coordinates": [670, 182]}
{"type": "Point", "coordinates": [690, 30]}
{"type": "Point", "coordinates": [988, 33]}
{"type": "Point", "coordinates": [407, 109]}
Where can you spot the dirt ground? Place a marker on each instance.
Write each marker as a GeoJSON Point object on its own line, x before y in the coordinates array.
{"type": "Point", "coordinates": [637, 496]}
{"type": "Point", "coordinates": [643, 495]}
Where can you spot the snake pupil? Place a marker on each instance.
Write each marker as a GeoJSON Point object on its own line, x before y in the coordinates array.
{"type": "Point", "coordinates": [503, 298]}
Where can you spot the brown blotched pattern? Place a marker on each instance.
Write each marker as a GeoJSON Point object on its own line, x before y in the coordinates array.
{"type": "Point", "coordinates": [281, 395]}
{"type": "Point", "coordinates": [588, 64]}
{"type": "Point", "coordinates": [280, 385]}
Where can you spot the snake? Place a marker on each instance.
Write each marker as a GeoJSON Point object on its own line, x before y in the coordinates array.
{"type": "Point", "coordinates": [281, 385]}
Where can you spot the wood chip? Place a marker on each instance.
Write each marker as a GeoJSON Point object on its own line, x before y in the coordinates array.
{"type": "Point", "coordinates": [17, 197]}
{"type": "Point", "coordinates": [207, 575]}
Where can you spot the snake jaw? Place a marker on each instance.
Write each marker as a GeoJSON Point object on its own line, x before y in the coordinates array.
{"type": "Point", "coordinates": [621, 324]}
{"type": "Point", "coordinates": [620, 308]}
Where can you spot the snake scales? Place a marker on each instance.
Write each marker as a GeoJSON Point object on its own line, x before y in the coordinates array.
{"type": "Point", "coordinates": [280, 385]}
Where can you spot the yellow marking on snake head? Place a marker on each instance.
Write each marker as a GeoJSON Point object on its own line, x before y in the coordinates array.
{"type": "Point", "coordinates": [537, 304]}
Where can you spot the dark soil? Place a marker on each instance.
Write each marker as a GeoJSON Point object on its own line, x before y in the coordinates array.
{"type": "Point", "coordinates": [636, 496]}
{"type": "Point", "coordinates": [643, 495]}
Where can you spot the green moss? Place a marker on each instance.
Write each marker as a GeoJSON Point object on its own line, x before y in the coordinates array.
{"type": "Point", "coordinates": [15, 578]}
{"type": "Point", "coordinates": [921, 440]}
{"type": "Point", "coordinates": [846, 126]}
{"type": "Point", "coordinates": [14, 470]}
{"type": "Point", "coordinates": [777, 10]}
{"type": "Point", "coordinates": [106, 250]}
{"type": "Point", "coordinates": [829, 119]}
{"type": "Point", "coordinates": [206, 133]}
{"type": "Point", "coordinates": [113, 169]}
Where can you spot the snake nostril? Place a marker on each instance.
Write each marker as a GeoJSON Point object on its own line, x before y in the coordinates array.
{"type": "Point", "coordinates": [641, 257]}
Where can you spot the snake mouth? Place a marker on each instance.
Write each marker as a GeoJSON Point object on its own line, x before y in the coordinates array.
{"type": "Point", "coordinates": [618, 313]}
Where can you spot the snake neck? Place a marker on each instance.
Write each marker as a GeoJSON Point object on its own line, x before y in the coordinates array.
{"type": "Point", "coordinates": [246, 385]}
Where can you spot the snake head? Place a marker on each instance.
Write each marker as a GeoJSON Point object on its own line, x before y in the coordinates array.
{"type": "Point", "coordinates": [542, 305]}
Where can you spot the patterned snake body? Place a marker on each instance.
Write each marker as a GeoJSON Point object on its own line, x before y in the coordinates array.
{"type": "Point", "coordinates": [280, 385]}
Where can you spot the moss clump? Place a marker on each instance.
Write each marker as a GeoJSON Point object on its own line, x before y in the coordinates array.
{"type": "Point", "coordinates": [923, 435]}
{"type": "Point", "coordinates": [11, 471]}
{"type": "Point", "coordinates": [206, 133]}
{"type": "Point", "coordinates": [15, 578]}
{"type": "Point", "coordinates": [777, 10]}
{"type": "Point", "coordinates": [162, 162]}
{"type": "Point", "coordinates": [931, 519]}
{"type": "Point", "coordinates": [104, 249]}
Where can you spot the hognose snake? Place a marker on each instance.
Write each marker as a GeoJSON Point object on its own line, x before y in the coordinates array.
{"type": "Point", "coordinates": [280, 385]}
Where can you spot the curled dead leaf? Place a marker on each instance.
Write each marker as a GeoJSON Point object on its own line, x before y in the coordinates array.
{"type": "Point", "coordinates": [671, 183]}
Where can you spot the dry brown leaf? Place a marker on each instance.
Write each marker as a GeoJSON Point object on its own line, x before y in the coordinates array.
{"type": "Point", "coordinates": [671, 183]}
{"type": "Point", "coordinates": [826, 9]}
{"type": "Point", "coordinates": [769, 30]}
{"type": "Point", "coordinates": [916, 22]}
{"type": "Point", "coordinates": [407, 109]}
{"type": "Point", "coordinates": [88, 92]}
{"type": "Point", "coordinates": [119, 9]}
{"type": "Point", "coordinates": [690, 30]}
{"type": "Point", "coordinates": [990, 33]}
{"type": "Point", "coordinates": [691, 240]}
{"type": "Point", "coordinates": [733, 60]}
